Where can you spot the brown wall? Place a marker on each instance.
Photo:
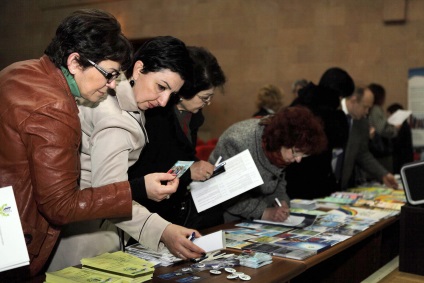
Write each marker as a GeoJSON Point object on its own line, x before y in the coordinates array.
{"type": "Point", "coordinates": [256, 41]}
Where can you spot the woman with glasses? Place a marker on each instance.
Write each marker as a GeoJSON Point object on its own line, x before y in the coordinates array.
{"type": "Point", "coordinates": [173, 135]}
{"type": "Point", "coordinates": [40, 132]}
{"type": "Point", "coordinates": [274, 142]}
{"type": "Point", "coordinates": [113, 135]}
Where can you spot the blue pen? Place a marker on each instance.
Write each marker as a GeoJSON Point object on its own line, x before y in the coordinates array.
{"type": "Point", "coordinates": [191, 238]}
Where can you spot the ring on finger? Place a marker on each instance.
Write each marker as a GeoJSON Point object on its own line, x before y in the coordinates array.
{"type": "Point", "coordinates": [168, 196]}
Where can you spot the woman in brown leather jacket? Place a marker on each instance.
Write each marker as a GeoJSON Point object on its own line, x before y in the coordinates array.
{"type": "Point", "coordinates": [40, 131]}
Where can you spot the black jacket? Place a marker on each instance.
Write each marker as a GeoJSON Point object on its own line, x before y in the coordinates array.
{"type": "Point", "coordinates": [313, 177]}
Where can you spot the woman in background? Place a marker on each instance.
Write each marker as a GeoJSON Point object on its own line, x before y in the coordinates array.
{"type": "Point", "coordinates": [173, 135]}
{"type": "Point", "coordinates": [323, 100]}
{"type": "Point", "coordinates": [381, 140]}
{"type": "Point", "coordinates": [274, 142]}
{"type": "Point", "coordinates": [269, 100]}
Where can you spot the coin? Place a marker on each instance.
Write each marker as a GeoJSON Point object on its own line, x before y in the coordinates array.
{"type": "Point", "coordinates": [244, 277]}
{"type": "Point", "coordinates": [214, 271]}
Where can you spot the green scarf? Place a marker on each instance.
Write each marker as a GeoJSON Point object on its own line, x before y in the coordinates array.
{"type": "Point", "coordinates": [71, 82]}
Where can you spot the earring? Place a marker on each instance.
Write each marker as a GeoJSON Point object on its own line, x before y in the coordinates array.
{"type": "Point", "coordinates": [132, 83]}
{"type": "Point", "coordinates": [180, 100]}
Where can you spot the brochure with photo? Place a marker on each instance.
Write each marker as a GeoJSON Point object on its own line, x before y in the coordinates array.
{"type": "Point", "coordinates": [180, 167]}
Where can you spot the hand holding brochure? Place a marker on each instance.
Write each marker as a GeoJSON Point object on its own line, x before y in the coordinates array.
{"type": "Point", "coordinates": [211, 242]}
{"type": "Point", "coordinates": [240, 176]}
{"type": "Point", "coordinates": [399, 117]}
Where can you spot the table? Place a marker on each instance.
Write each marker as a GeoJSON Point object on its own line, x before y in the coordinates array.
{"type": "Point", "coordinates": [357, 258]}
{"type": "Point", "coordinates": [274, 272]}
{"type": "Point", "coordinates": [352, 260]}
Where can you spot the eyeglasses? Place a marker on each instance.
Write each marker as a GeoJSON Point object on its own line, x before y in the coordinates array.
{"type": "Point", "coordinates": [110, 77]}
{"type": "Point", "coordinates": [204, 99]}
{"type": "Point", "coordinates": [298, 154]}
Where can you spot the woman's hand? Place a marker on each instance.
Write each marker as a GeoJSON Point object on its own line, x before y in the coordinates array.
{"type": "Point", "coordinates": [176, 240]}
{"type": "Point", "coordinates": [201, 170]}
{"type": "Point", "coordinates": [277, 214]}
{"type": "Point", "coordinates": [154, 188]}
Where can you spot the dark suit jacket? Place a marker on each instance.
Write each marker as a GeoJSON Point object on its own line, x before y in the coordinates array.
{"type": "Point", "coordinates": [313, 177]}
{"type": "Point", "coordinates": [357, 152]}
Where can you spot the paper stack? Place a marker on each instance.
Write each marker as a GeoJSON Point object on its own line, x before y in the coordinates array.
{"type": "Point", "coordinates": [162, 257]}
{"type": "Point", "coordinates": [255, 260]}
{"type": "Point", "coordinates": [303, 203]}
{"type": "Point", "coordinates": [129, 268]}
{"type": "Point", "coordinates": [78, 275]}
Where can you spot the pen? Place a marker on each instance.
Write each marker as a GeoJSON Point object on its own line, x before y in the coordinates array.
{"type": "Point", "coordinates": [219, 160]}
{"type": "Point", "coordinates": [191, 238]}
{"type": "Point", "coordinates": [278, 202]}
{"type": "Point", "coordinates": [199, 259]}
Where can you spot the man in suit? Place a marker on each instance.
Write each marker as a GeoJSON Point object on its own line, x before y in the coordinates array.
{"type": "Point", "coordinates": [356, 108]}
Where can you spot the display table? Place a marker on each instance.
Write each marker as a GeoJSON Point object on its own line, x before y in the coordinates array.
{"type": "Point", "coordinates": [278, 271]}
{"type": "Point", "coordinates": [355, 259]}
{"type": "Point", "coordinates": [352, 260]}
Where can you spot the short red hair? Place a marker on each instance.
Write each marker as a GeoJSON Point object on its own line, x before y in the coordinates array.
{"type": "Point", "coordinates": [295, 127]}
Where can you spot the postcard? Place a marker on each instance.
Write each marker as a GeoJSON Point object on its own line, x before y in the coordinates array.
{"type": "Point", "coordinates": [180, 167]}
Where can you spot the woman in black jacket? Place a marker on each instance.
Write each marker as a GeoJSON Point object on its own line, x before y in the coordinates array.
{"type": "Point", "coordinates": [172, 132]}
{"type": "Point", "coordinates": [314, 177]}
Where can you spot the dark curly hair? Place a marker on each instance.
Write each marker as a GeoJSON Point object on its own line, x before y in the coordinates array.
{"type": "Point", "coordinates": [164, 52]}
{"type": "Point", "coordinates": [294, 126]}
{"type": "Point", "coordinates": [207, 73]}
{"type": "Point", "coordinates": [95, 35]}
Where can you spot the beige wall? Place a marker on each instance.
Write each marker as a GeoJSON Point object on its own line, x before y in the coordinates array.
{"type": "Point", "coordinates": [256, 41]}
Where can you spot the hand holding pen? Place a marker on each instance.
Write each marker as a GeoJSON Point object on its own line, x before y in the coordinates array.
{"type": "Point", "coordinates": [201, 170]}
{"type": "Point", "coordinates": [278, 213]}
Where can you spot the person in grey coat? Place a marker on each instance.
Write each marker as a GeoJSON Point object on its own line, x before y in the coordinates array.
{"type": "Point", "coordinates": [274, 143]}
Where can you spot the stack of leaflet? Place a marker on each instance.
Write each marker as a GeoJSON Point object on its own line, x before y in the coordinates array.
{"type": "Point", "coordinates": [338, 198]}
{"type": "Point", "coordinates": [129, 268]}
{"type": "Point", "coordinates": [162, 257]}
{"type": "Point", "coordinates": [303, 204]}
{"type": "Point", "coordinates": [78, 275]}
{"type": "Point", "coordinates": [255, 260]}
{"type": "Point", "coordinates": [277, 250]}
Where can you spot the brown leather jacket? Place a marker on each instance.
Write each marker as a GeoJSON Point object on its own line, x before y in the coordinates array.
{"type": "Point", "coordinates": [40, 136]}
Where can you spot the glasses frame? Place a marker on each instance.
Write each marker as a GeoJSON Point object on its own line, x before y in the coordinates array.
{"type": "Point", "coordinates": [298, 154]}
{"type": "Point", "coordinates": [110, 77]}
{"type": "Point", "coordinates": [205, 100]}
